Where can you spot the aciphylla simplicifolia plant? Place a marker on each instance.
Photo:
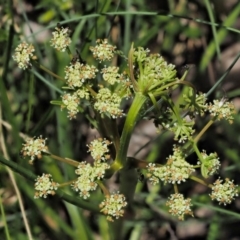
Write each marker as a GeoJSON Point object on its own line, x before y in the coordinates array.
{"type": "Point", "coordinates": [146, 81]}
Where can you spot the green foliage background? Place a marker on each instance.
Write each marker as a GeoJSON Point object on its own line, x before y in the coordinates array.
{"type": "Point", "coordinates": [193, 34]}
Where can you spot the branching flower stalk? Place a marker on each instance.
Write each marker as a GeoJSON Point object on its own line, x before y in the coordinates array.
{"type": "Point", "coordinates": [146, 79]}
{"type": "Point", "coordinates": [142, 88]}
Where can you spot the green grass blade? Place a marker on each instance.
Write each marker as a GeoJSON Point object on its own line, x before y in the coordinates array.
{"type": "Point", "coordinates": [7, 109]}
{"type": "Point", "coordinates": [210, 13]}
{"type": "Point", "coordinates": [221, 35]}
{"type": "Point", "coordinates": [219, 209]}
{"type": "Point", "coordinates": [163, 14]}
{"type": "Point", "coordinates": [3, 219]}
{"type": "Point", "coordinates": [30, 102]}
{"type": "Point", "coordinates": [46, 81]}
{"type": "Point", "coordinates": [127, 28]}
{"type": "Point", "coordinates": [223, 76]}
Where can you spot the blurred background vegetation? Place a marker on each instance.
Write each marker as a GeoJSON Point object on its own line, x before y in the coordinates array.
{"type": "Point", "coordinates": [186, 34]}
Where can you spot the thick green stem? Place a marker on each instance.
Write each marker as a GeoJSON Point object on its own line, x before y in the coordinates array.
{"type": "Point", "coordinates": [128, 182]}
{"type": "Point", "coordinates": [128, 174]}
{"type": "Point", "coordinates": [132, 118]}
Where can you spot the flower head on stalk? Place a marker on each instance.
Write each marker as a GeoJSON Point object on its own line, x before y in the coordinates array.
{"type": "Point", "coordinates": [176, 170]}
{"type": "Point", "coordinates": [178, 206]}
{"type": "Point", "coordinates": [83, 93]}
{"type": "Point", "coordinates": [61, 39]}
{"type": "Point", "coordinates": [103, 51]}
{"type": "Point", "coordinates": [210, 164]}
{"type": "Point", "coordinates": [113, 205]}
{"type": "Point", "coordinates": [34, 148]}
{"type": "Point", "coordinates": [225, 192]}
{"type": "Point", "coordinates": [111, 75]}
{"type": "Point", "coordinates": [140, 54]}
{"type": "Point", "coordinates": [99, 149]}
{"type": "Point", "coordinates": [222, 110]}
{"type": "Point", "coordinates": [71, 102]}
{"type": "Point", "coordinates": [194, 103]}
{"type": "Point", "coordinates": [108, 103]}
{"type": "Point", "coordinates": [183, 130]}
{"type": "Point", "coordinates": [88, 176]}
{"type": "Point", "coordinates": [44, 186]}
{"type": "Point", "coordinates": [154, 74]}
{"type": "Point", "coordinates": [24, 54]}
{"type": "Point", "coordinates": [77, 73]}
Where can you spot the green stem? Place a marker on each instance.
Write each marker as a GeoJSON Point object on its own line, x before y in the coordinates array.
{"type": "Point", "coordinates": [103, 188]}
{"type": "Point", "coordinates": [175, 188]}
{"type": "Point", "coordinates": [198, 152]}
{"type": "Point", "coordinates": [196, 179]}
{"type": "Point", "coordinates": [196, 139]}
{"type": "Point", "coordinates": [132, 118]}
{"type": "Point", "coordinates": [67, 183]}
{"type": "Point", "coordinates": [94, 94]}
{"type": "Point", "coordinates": [36, 64]}
{"type": "Point", "coordinates": [65, 160]}
{"type": "Point", "coordinates": [160, 90]}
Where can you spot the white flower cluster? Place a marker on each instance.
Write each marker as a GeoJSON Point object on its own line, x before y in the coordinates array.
{"type": "Point", "coordinates": [44, 186]}
{"type": "Point", "coordinates": [113, 206]}
{"type": "Point", "coordinates": [34, 148]}
{"type": "Point", "coordinates": [86, 182]}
